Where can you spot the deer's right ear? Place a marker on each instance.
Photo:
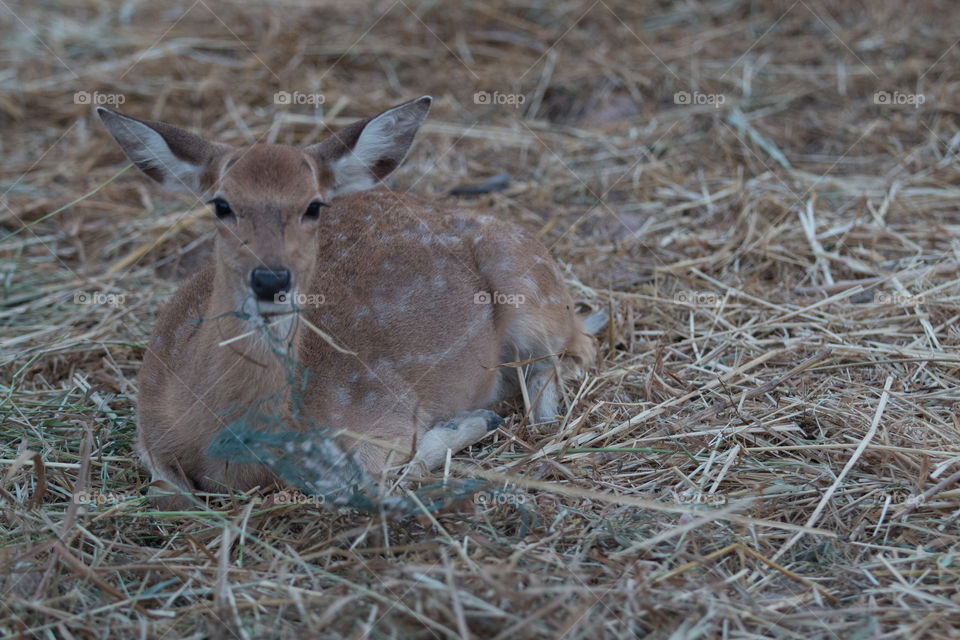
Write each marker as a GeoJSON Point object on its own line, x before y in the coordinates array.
{"type": "Point", "coordinates": [177, 159]}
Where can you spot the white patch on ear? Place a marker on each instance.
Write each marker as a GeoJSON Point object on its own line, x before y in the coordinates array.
{"type": "Point", "coordinates": [351, 177]}
{"type": "Point", "coordinates": [149, 151]}
{"type": "Point", "coordinates": [386, 137]}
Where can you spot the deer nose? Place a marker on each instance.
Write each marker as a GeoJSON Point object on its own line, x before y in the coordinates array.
{"type": "Point", "coordinates": [268, 283]}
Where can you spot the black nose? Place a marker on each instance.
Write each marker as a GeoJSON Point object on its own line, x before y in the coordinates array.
{"type": "Point", "coordinates": [267, 284]}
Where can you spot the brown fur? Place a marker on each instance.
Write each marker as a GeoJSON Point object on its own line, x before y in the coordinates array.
{"type": "Point", "coordinates": [399, 276]}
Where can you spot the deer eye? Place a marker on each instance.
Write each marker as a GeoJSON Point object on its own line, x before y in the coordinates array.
{"type": "Point", "coordinates": [221, 208]}
{"type": "Point", "coordinates": [313, 210]}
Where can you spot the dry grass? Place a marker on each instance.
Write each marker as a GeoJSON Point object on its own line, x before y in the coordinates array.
{"type": "Point", "coordinates": [769, 447]}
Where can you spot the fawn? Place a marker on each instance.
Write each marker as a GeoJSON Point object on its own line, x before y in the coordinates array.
{"type": "Point", "coordinates": [420, 303]}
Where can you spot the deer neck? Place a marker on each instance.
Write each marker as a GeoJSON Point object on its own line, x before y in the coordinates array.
{"type": "Point", "coordinates": [258, 353]}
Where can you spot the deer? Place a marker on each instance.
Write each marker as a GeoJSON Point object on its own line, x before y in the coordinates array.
{"type": "Point", "coordinates": [400, 311]}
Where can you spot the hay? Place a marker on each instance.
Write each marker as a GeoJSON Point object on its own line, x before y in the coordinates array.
{"type": "Point", "coordinates": [756, 193]}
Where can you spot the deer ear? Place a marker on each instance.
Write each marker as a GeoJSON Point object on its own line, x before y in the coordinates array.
{"type": "Point", "coordinates": [365, 152]}
{"type": "Point", "coordinates": [177, 159]}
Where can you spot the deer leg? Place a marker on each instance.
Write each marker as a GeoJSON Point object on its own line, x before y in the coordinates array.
{"type": "Point", "coordinates": [461, 431]}
{"type": "Point", "coordinates": [543, 389]}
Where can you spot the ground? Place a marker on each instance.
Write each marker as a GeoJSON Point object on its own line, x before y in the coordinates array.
{"type": "Point", "coordinates": [761, 195]}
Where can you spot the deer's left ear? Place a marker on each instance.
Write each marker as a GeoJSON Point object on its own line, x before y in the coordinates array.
{"type": "Point", "coordinates": [177, 159]}
{"type": "Point", "coordinates": [365, 152]}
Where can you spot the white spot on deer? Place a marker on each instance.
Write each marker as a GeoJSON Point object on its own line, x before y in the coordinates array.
{"type": "Point", "coordinates": [361, 313]}
{"type": "Point", "coordinates": [341, 395]}
{"type": "Point", "coordinates": [447, 238]}
{"type": "Point", "coordinates": [463, 225]}
{"type": "Point", "coordinates": [532, 288]}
